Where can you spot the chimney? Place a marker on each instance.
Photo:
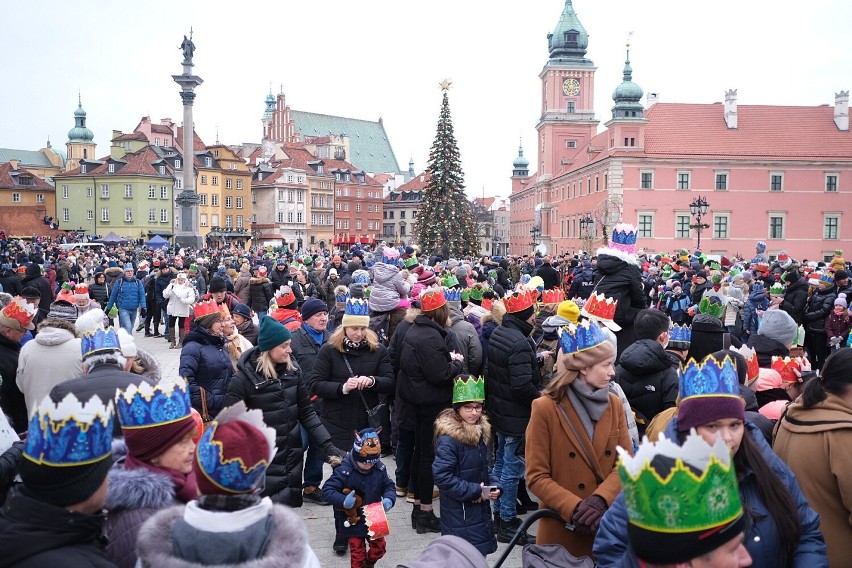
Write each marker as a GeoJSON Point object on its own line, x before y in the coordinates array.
{"type": "Point", "coordinates": [731, 108]}
{"type": "Point", "coordinates": [651, 99]}
{"type": "Point", "coordinates": [14, 164]}
{"type": "Point", "coordinates": [841, 110]}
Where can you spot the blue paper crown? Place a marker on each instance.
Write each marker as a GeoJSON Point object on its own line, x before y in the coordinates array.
{"type": "Point", "coordinates": [362, 279]}
{"type": "Point", "coordinates": [146, 406]}
{"type": "Point", "coordinates": [341, 298]}
{"type": "Point", "coordinates": [709, 378]}
{"type": "Point", "coordinates": [681, 333]}
{"type": "Point", "coordinates": [69, 433]}
{"type": "Point", "coordinates": [580, 337]}
{"type": "Point", "coordinates": [357, 307]}
{"type": "Point", "coordinates": [453, 294]}
{"type": "Point", "coordinates": [231, 474]}
{"type": "Point", "coordinates": [624, 237]}
{"type": "Point", "coordinates": [99, 340]}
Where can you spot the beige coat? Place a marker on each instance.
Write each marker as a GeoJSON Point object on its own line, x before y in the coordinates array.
{"type": "Point", "coordinates": [816, 444]}
{"type": "Point", "coordinates": [558, 472]}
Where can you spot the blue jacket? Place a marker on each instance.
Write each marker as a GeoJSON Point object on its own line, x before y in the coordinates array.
{"type": "Point", "coordinates": [611, 542]}
{"type": "Point", "coordinates": [372, 486]}
{"type": "Point", "coordinates": [461, 464]}
{"type": "Point", "coordinates": [205, 363]}
{"type": "Point", "coordinates": [757, 300]}
{"type": "Point", "coordinates": [126, 294]}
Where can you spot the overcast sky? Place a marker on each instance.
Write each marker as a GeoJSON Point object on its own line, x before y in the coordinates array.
{"type": "Point", "coordinates": [384, 58]}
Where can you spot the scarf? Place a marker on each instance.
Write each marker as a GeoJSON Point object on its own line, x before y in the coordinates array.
{"type": "Point", "coordinates": [185, 487]}
{"type": "Point", "coordinates": [317, 336]}
{"type": "Point", "coordinates": [234, 348]}
{"type": "Point", "coordinates": [352, 345]}
{"type": "Point", "coordinates": [590, 405]}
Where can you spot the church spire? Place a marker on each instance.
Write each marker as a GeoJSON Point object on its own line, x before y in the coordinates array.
{"type": "Point", "coordinates": [628, 94]}
{"type": "Point", "coordinates": [568, 42]}
{"type": "Point", "coordinates": [520, 167]}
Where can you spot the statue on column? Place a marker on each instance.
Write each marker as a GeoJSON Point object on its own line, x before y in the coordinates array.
{"type": "Point", "coordinates": [188, 47]}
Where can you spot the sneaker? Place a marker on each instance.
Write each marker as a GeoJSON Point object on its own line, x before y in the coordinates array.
{"type": "Point", "coordinates": [341, 543]}
{"type": "Point", "coordinates": [402, 491]}
{"type": "Point", "coordinates": [409, 497]}
{"type": "Point", "coordinates": [313, 496]}
{"type": "Point", "coordinates": [157, 334]}
{"type": "Point", "coordinates": [508, 529]}
{"type": "Point", "coordinates": [140, 327]}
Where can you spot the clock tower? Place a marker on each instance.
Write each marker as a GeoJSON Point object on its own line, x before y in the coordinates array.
{"type": "Point", "coordinates": [567, 121]}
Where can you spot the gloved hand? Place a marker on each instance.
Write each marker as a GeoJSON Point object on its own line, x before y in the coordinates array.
{"type": "Point", "coordinates": [349, 500]}
{"type": "Point", "coordinates": [387, 504]}
{"type": "Point", "coordinates": [588, 515]}
{"type": "Point", "coordinates": [143, 313]}
{"type": "Point", "coordinates": [333, 454]}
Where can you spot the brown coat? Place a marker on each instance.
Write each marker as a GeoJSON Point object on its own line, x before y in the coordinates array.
{"type": "Point", "coordinates": [558, 472]}
{"type": "Point", "coordinates": [815, 444]}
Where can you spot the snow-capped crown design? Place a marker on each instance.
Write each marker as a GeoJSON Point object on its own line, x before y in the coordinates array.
{"type": "Point", "coordinates": [713, 305]}
{"type": "Point", "coordinates": [205, 308]}
{"type": "Point", "coordinates": [519, 301]}
{"type": "Point", "coordinates": [624, 238]}
{"type": "Point", "coordinates": [467, 388]}
{"type": "Point", "coordinates": [600, 306]}
{"type": "Point", "coordinates": [390, 256]}
{"type": "Point", "coordinates": [432, 299]}
{"type": "Point", "coordinates": [553, 296]}
{"type": "Point", "coordinates": [680, 333]}
{"type": "Point", "coordinates": [580, 337]}
{"type": "Point", "coordinates": [341, 298]}
{"type": "Point", "coordinates": [776, 290]}
{"type": "Point", "coordinates": [453, 294]}
{"type": "Point", "coordinates": [750, 355]}
{"type": "Point", "coordinates": [21, 311]}
{"type": "Point", "coordinates": [70, 432]}
{"type": "Point", "coordinates": [144, 406]}
{"type": "Point", "coordinates": [357, 307]}
{"type": "Point", "coordinates": [99, 340]}
{"type": "Point", "coordinates": [698, 491]}
{"type": "Point", "coordinates": [711, 377]}
{"type": "Point", "coordinates": [285, 296]}
{"type": "Point", "coordinates": [789, 368]}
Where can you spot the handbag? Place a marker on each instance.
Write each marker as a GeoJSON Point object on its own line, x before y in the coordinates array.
{"type": "Point", "coordinates": [376, 416]}
{"type": "Point", "coordinates": [552, 555]}
{"type": "Point", "coordinates": [205, 413]}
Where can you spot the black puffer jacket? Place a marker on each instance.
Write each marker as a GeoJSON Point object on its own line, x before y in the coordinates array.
{"type": "Point", "coordinates": [205, 363]}
{"type": "Point", "coordinates": [549, 275]}
{"type": "Point", "coordinates": [305, 349]}
{"type": "Point", "coordinates": [513, 380]}
{"type": "Point", "coordinates": [795, 297]}
{"type": "Point", "coordinates": [286, 405]}
{"type": "Point", "coordinates": [426, 370]}
{"type": "Point", "coordinates": [260, 293]}
{"type": "Point", "coordinates": [403, 414]}
{"type": "Point", "coordinates": [648, 378]}
{"type": "Point", "coordinates": [344, 414]}
{"type": "Point", "coordinates": [11, 398]}
{"type": "Point", "coordinates": [616, 279]}
{"type": "Point", "coordinates": [817, 308]}
{"type": "Point", "coordinates": [33, 278]}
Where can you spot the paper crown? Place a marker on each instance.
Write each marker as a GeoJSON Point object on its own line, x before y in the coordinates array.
{"type": "Point", "coordinates": [70, 433]}
{"type": "Point", "coordinates": [465, 295]}
{"type": "Point", "coordinates": [233, 474]}
{"type": "Point", "coordinates": [734, 271]}
{"type": "Point", "coordinates": [449, 281]}
{"type": "Point", "coordinates": [599, 306]}
{"type": "Point", "coordinates": [205, 308]}
{"type": "Point", "coordinates": [753, 366]}
{"type": "Point", "coordinates": [99, 340]}
{"type": "Point", "coordinates": [711, 377]}
{"type": "Point", "coordinates": [776, 290]}
{"type": "Point", "coordinates": [760, 246]}
{"type": "Point", "coordinates": [432, 299]}
{"type": "Point", "coordinates": [476, 293]}
{"type": "Point", "coordinates": [453, 294]}
{"type": "Point", "coordinates": [284, 296]}
{"type": "Point", "coordinates": [487, 304]}
{"type": "Point", "coordinates": [762, 266]}
{"type": "Point", "coordinates": [553, 296]}
{"type": "Point", "coordinates": [341, 298]}
{"type": "Point", "coordinates": [357, 307]}
{"type": "Point", "coordinates": [826, 279]}
{"type": "Point", "coordinates": [838, 253]}
{"type": "Point", "coordinates": [680, 336]}
{"type": "Point", "coordinates": [519, 301]}
{"type": "Point", "coordinates": [624, 238]}
{"type": "Point", "coordinates": [580, 337]}
{"type": "Point", "coordinates": [410, 261]}
{"type": "Point", "coordinates": [666, 273]}
{"type": "Point", "coordinates": [81, 290]}
{"type": "Point", "coordinates": [467, 388]}
{"type": "Point", "coordinates": [790, 369]}
{"type": "Point", "coordinates": [713, 305]}
{"type": "Point", "coordinates": [376, 520]}
{"type": "Point", "coordinates": [390, 256]}
{"type": "Point", "coordinates": [145, 406]}
{"type": "Point", "coordinates": [683, 496]}
{"type": "Point", "coordinates": [18, 314]}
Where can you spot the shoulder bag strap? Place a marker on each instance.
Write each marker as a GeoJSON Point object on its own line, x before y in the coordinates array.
{"type": "Point", "coordinates": [352, 374]}
{"type": "Point", "coordinates": [205, 413]}
{"type": "Point", "coordinates": [593, 463]}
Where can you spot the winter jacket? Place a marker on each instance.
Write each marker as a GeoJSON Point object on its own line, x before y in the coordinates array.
{"type": "Point", "coordinates": [617, 279]}
{"type": "Point", "coordinates": [180, 299]}
{"type": "Point", "coordinates": [815, 443]}
{"type": "Point", "coordinates": [11, 398]}
{"type": "Point", "coordinates": [286, 406]}
{"type": "Point", "coordinates": [33, 278]}
{"type": "Point", "coordinates": [372, 486]}
{"type": "Point", "coordinates": [649, 380]}
{"type": "Point", "coordinates": [549, 275]}
{"type": "Point", "coordinates": [112, 275]}
{"type": "Point", "coordinates": [387, 289]}
{"type": "Point", "coordinates": [281, 532]}
{"type": "Point", "coordinates": [344, 414]}
{"type": "Point", "coordinates": [795, 297]}
{"type": "Point", "coordinates": [204, 362]}
{"type": "Point", "coordinates": [403, 415]}
{"type": "Point", "coordinates": [161, 282]}
{"type": "Point", "coordinates": [260, 293]}
{"type": "Point", "coordinates": [241, 288]}
{"type": "Point", "coordinates": [817, 308]}
{"type": "Point", "coordinates": [10, 282]}
{"type": "Point", "coordinates": [467, 339]}
{"type": "Point", "coordinates": [34, 534]}
{"type": "Point", "coordinates": [837, 326]}
{"type": "Point", "coordinates": [99, 293]}
{"type": "Point", "coordinates": [676, 306]}
{"type": "Point", "coordinates": [766, 348]}
{"type": "Point", "coordinates": [757, 300]}
{"type": "Point", "coordinates": [736, 300]}
{"type": "Point", "coordinates": [513, 379]}
{"type": "Point", "coordinates": [426, 370]}
{"type": "Point", "coordinates": [461, 464]}
{"type": "Point", "coordinates": [327, 292]}
{"type": "Point", "coordinates": [761, 535]}
{"type": "Point", "coordinates": [249, 330]}
{"type": "Point", "coordinates": [305, 349]}
{"type": "Point", "coordinates": [696, 291]}
{"type": "Point", "coordinates": [127, 295]}
{"type": "Point", "coordinates": [51, 358]}
{"type": "Point", "coordinates": [288, 317]}
{"type": "Point", "coordinates": [279, 278]}
{"type": "Point", "coordinates": [582, 284]}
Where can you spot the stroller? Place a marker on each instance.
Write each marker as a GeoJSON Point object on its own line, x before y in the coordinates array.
{"type": "Point", "coordinates": [544, 555]}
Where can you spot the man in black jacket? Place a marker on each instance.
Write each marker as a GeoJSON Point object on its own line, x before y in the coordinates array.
{"type": "Point", "coordinates": [513, 382]}
{"type": "Point", "coordinates": [795, 296]}
{"type": "Point", "coordinates": [548, 274]}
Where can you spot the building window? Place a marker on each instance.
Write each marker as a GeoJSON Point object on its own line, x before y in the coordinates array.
{"type": "Point", "coordinates": [253, 198]}
{"type": "Point", "coordinates": [776, 227]}
{"type": "Point", "coordinates": [646, 225]}
{"type": "Point", "coordinates": [214, 200]}
{"type": "Point", "coordinates": [105, 214]}
{"type": "Point", "coordinates": [203, 180]}
{"type": "Point", "coordinates": [128, 214]}
{"type": "Point", "coordinates": [111, 168]}
{"type": "Point", "coordinates": [229, 221]}
{"type": "Point", "coordinates": [156, 141]}
{"type": "Point", "coordinates": [208, 162]}
{"type": "Point", "coordinates": [831, 227]}
{"type": "Point", "coordinates": [152, 215]}
{"type": "Point", "coordinates": [164, 192]}
{"type": "Point", "coordinates": [300, 217]}
{"type": "Point", "coordinates": [239, 202]}
{"type": "Point", "coordinates": [358, 225]}
{"type": "Point", "coordinates": [571, 107]}
{"type": "Point", "coordinates": [128, 190]}
{"type": "Point", "coordinates": [338, 206]}
{"type": "Point", "coordinates": [64, 192]}
{"type": "Point", "coordinates": [229, 202]}
{"type": "Point", "coordinates": [313, 218]}
{"type": "Point", "coordinates": [290, 196]}
{"type": "Point", "coordinates": [683, 180]}
{"type": "Point", "coordinates": [202, 221]}
{"type": "Point", "coordinates": [721, 182]}
{"type": "Point", "coordinates": [162, 170]}
{"type": "Point", "coordinates": [214, 220]}
{"type": "Point", "coordinates": [228, 183]}
{"type": "Point", "coordinates": [214, 180]}
{"type": "Point", "coordinates": [346, 224]}
{"type": "Point", "coordinates": [289, 216]}
{"type": "Point", "coordinates": [570, 143]}
{"type": "Point", "coordinates": [39, 198]}
{"type": "Point", "coordinates": [152, 192]}
{"type": "Point", "coordinates": [280, 216]}
{"type": "Point", "coordinates": [90, 215]}
{"type": "Point", "coordinates": [339, 225]}
{"type": "Point", "coordinates": [177, 164]}
{"type": "Point", "coordinates": [203, 197]}
{"type": "Point", "coordinates": [66, 214]}
{"type": "Point", "coordinates": [239, 184]}
{"type": "Point", "coordinates": [300, 196]}
{"type": "Point", "coordinates": [776, 182]}
{"type": "Point", "coordinates": [831, 182]}
{"type": "Point", "coordinates": [239, 221]}
{"type": "Point", "coordinates": [83, 168]}
{"type": "Point", "coordinates": [164, 215]}
{"type": "Point", "coordinates": [682, 226]}
{"type": "Point", "coordinates": [357, 207]}
{"type": "Point", "coordinates": [178, 183]}
{"type": "Point", "coordinates": [720, 226]}
{"type": "Point", "coordinates": [90, 192]}
{"type": "Point", "coordinates": [104, 191]}
{"type": "Point", "coordinates": [16, 198]}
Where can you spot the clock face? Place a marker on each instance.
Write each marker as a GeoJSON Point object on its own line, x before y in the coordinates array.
{"type": "Point", "coordinates": [571, 87]}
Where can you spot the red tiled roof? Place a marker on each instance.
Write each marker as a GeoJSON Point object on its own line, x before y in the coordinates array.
{"type": "Point", "coordinates": [197, 144]}
{"type": "Point", "coordinates": [484, 202]}
{"type": "Point", "coordinates": [132, 136]}
{"type": "Point", "coordinates": [416, 183]}
{"type": "Point", "coordinates": [161, 129]}
{"type": "Point", "coordinates": [7, 181]}
{"type": "Point", "coordinates": [136, 163]}
{"type": "Point", "coordinates": [382, 178]}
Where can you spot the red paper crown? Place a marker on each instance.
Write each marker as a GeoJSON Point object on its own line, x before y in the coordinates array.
{"type": "Point", "coordinates": [202, 309]}
{"type": "Point", "coordinates": [20, 311]}
{"type": "Point", "coordinates": [285, 299]}
{"type": "Point", "coordinates": [81, 290]}
{"type": "Point", "coordinates": [519, 301]}
{"type": "Point", "coordinates": [601, 307]}
{"type": "Point", "coordinates": [787, 368]}
{"type": "Point", "coordinates": [432, 299]}
{"type": "Point", "coordinates": [762, 267]}
{"type": "Point", "coordinates": [487, 304]}
{"type": "Point", "coordinates": [552, 296]}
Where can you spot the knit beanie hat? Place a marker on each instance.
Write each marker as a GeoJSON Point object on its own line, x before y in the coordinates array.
{"type": "Point", "coordinates": [218, 284]}
{"type": "Point", "coordinates": [589, 357]}
{"type": "Point", "coordinates": [367, 447]}
{"type": "Point", "coordinates": [311, 307]}
{"type": "Point", "coordinates": [778, 325]}
{"type": "Point", "coordinates": [271, 334]}
{"type": "Point", "coordinates": [709, 391]}
{"type": "Point", "coordinates": [841, 300]}
{"type": "Point", "coordinates": [568, 310]}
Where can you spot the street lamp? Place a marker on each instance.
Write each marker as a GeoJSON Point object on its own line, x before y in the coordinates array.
{"type": "Point", "coordinates": [698, 207]}
{"type": "Point", "coordinates": [586, 227]}
{"type": "Point", "coordinates": [535, 233]}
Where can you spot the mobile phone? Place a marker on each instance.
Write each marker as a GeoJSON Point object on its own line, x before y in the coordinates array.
{"type": "Point", "coordinates": [491, 488]}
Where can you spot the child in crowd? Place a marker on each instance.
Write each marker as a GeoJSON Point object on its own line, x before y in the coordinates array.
{"type": "Point", "coordinates": [460, 468]}
{"type": "Point", "coordinates": [360, 480]}
{"type": "Point", "coordinates": [837, 324]}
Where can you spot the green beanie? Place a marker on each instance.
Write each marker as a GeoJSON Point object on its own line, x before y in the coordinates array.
{"type": "Point", "coordinates": [271, 334]}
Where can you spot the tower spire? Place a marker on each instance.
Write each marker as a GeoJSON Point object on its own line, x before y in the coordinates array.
{"type": "Point", "coordinates": [627, 94]}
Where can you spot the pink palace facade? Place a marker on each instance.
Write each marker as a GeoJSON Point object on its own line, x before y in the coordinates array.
{"type": "Point", "coordinates": [780, 174]}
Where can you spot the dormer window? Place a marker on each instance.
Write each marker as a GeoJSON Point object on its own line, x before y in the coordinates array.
{"type": "Point", "coordinates": [177, 164]}
{"type": "Point", "coordinates": [83, 168]}
{"type": "Point", "coordinates": [346, 177]}
{"type": "Point", "coordinates": [111, 168]}
{"type": "Point", "coordinates": [320, 169]}
{"type": "Point", "coordinates": [571, 38]}
{"type": "Point", "coordinates": [162, 170]}
{"type": "Point", "coordinates": [208, 162]}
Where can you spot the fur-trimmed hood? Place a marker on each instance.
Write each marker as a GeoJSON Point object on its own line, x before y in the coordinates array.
{"type": "Point", "coordinates": [116, 271]}
{"type": "Point", "coordinates": [150, 366]}
{"type": "Point", "coordinates": [288, 543]}
{"type": "Point", "coordinates": [131, 489]}
{"type": "Point", "coordinates": [55, 331]}
{"type": "Point", "coordinates": [256, 281]}
{"type": "Point", "coordinates": [412, 313]}
{"type": "Point", "coordinates": [449, 423]}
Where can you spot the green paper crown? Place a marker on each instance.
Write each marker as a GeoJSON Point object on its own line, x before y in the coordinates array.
{"type": "Point", "coordinates": [712, 305]}
{"type": "Point", "coordinates": [410, 261]}
{"type": "Point", "coordinates": [450, 281]}
{"type": "Point", "coordinates": [776, 290]}
{"type": "Point", "coordinates": [468, 389]}
{"type": "Point", "coordinates": [476, 294]}
{"type": "Point", "coordinates": [696, 491]}
{"type": "Point", "coordinates": [716, 278]}
{"type": "Point", "coordinates": [465, 295]}
{"type": "Point", "coordinates": [715, 266]}
{"type": "Point", "coordinates": [667, 272]}
{"type": "Point", "coordinates": [734, 271]}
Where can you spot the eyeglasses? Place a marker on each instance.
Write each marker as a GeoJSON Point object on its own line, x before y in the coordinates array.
{"type": "Point", "coordinates": [473, 407]}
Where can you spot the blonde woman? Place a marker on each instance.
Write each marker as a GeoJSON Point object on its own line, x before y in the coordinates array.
{"type": "Point", "coordinates": [268, 379]}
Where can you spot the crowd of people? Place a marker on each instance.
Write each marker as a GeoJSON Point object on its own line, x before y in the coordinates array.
{"type": "Point", "coordinates": [490, 381]}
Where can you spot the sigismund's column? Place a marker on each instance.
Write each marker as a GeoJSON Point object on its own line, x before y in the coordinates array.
{"type": "Point", "coordinates": [187, 200]}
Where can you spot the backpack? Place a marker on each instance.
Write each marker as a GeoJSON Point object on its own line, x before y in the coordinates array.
{"type": "Point", "coordinates": [380, 324]}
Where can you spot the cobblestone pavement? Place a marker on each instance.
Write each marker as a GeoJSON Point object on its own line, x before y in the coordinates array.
{"type": "Point", "coordinates": [402, 544]}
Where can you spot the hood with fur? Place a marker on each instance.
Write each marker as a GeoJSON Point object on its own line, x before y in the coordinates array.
{"type": "Point", "coordinates": [449, 423]}
{"type": "Point", "coordinates": [150, 366]}
{"type": "Point", "coordinates": [55, 331]}
{"type": "Point", "coordinates": [131, 489]}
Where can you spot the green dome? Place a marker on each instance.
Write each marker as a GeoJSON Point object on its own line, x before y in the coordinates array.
{"type": "Point", "coordinates": [569, 40]}
{"type": "Point", "coordinates": [520, 162]}
{"type": "Point", "coordinates": [627, 91]}
{"type": "Point", "coordinates": [80, 133]}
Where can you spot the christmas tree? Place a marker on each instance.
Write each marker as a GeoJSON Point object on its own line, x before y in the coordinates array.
{"type": "Point", "coordinates": [445, 221]}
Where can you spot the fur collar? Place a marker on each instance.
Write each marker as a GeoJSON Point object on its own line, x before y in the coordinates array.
{"type": "Point", "coordinates": [620, 254]}
{"type": "Point", "coordinates": [256, 281]}
{"type": "Point", "coordinates": [150, 366]}
{"type": "Point", "coordinates": [131, 489]}
{"type": "Point", "coordinates": [411, 313]}
{"type": "Point", "coordinates": [288, 545]}
{"type": "Point", "coordinates": [450, 423]}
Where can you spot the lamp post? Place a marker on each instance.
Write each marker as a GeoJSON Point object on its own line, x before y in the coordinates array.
{"type": "Point", "coordinates": [587, 225]}
{"type": "Point", "coordinates": [698, 207]}
{"type": "Point", "coordinates": [535, 233]}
